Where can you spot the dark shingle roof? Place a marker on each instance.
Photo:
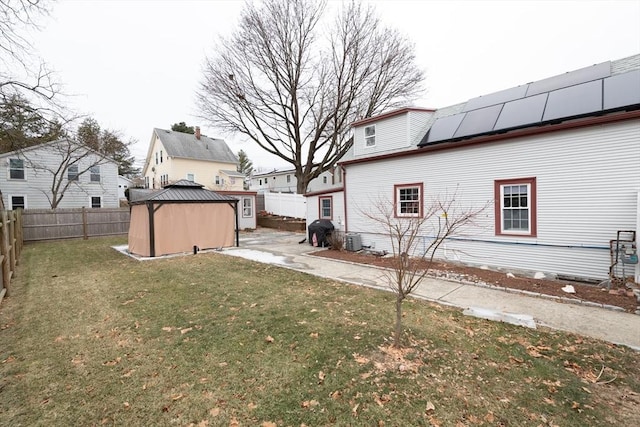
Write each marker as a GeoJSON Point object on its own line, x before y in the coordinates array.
{"type": "Point", "coordinates": [186, 145]}
{"type": "Point", "coordinates": [183, 191]}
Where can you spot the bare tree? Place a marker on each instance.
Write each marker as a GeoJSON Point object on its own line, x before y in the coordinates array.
{"type": "Point", "coordinates": [293, 82]}
{"type": "Point", "coordinates": [415, 238]}
{"type": "Point", "coordinates": [63, 163]}
{"type": "Point", "coordinates": [21, 74]}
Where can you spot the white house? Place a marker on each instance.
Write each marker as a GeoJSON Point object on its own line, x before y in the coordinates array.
{"type": "Point", "coordinates": [86, 178]}
{"type": "Point", "coordinates": [284, 181]}
{"type": "Point", "coordinates": [123, 184]}
{"type": "Point", "coordinates": [557, 160]}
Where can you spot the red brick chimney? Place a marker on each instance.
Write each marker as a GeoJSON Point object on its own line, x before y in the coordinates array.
{"type": "Point", "coordinates": [198, 132]}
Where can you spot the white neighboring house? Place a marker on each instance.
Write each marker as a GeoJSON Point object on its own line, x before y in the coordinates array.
{"type": "Point", "coordinates": [558, 160]}
{"type": "Point", "coordinates": [86, 178]}
{"type": "Point", "coordinates": [123, 184]}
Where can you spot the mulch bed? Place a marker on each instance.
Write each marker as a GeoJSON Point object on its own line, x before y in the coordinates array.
{"type": "Point", "coordinates": [620, 297]}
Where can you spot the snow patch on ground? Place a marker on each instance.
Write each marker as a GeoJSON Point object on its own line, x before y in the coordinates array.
{"type": "Point", "coordinates": [253, 255]}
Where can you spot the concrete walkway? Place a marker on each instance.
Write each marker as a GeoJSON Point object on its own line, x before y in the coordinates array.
{"type": "Point", "coordinates": [283, 248]}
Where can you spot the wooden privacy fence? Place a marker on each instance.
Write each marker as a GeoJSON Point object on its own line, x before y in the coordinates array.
{"type": "Point", "coordinates": [10, 247]}
{"type": "Point", "coordinates": [53, 224]}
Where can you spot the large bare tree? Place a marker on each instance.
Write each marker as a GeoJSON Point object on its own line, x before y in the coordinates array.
{"type": "Point", "coordinates": [415, 241]}
{"type": "Point", "coordinates": [293, 80]}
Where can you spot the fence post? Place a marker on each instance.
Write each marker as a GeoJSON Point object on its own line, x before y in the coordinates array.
{"type": "Point", "coordinates": [84, 223]}
{"type": "Point", "coordinates": [12, 241]}
{"type": "Point", "coordinates": [4, 248]}
{"type": "Point", "coordinates": [19, 235]}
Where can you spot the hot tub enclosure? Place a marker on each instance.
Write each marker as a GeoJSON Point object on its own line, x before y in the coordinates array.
{"type": "Point", "coordinates": [180, 217]}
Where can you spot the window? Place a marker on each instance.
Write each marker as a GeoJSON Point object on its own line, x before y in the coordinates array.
{"type": "Point", "coordinates": [409, 199]}
{"type": "Point", "coordinates": [164, 179]}
{"type": "Point", "coordinates": [191, 177]}
{"type": "Point", "coordinates": [326, 205]}
{"type": "Point", "coordinates": [260, 182]}
{"type": "Point", "coordinates": [96, 202]}
{"type": "Point", "coordinates": [146, 182]}
{"type": "Point", "coordinates": [247, 207]}
{"type": "Point", "coordinates": [18, 202]}
{"type": "Point", "coordinates": [156, 157]}
{"type": "Point", "coordinates": [217, 180]}
{"type": "Point", "coordinates": [95, 173]}
{"type": "Point", "coordinates": [324, 179]}
{"type": "Point", "coordinates": [370, 136]}
{"type": "Point", "coordinates": [160, 156]}
{"type": "Point", "coordinates": [288, 179]}
{"type": "Point", "coordinates": [515, 207]}
{"type": "Point", "coordinates": [72, 173]}
{"type": "Point", "coordinates": [16, 169]}
{"type": "Point", "coordinates": [232, 180]}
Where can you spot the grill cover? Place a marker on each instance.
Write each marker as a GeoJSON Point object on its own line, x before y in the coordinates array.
{"type": "Point", "coordinates": [319, 230]}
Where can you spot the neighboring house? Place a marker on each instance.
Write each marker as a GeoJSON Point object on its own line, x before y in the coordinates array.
{"type": "Point", "coordinates": [558, 160]}
{"type": "Point", "coordinates": [27, 177]}
{"type": "Point", "coordinates": [174, 156]}
{"type": "Point", "coordinates": [123, 184]}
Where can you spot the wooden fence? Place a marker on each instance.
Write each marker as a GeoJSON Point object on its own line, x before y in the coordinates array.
{"type": "Point", "coordinates": [11, 242]}
{"type": "Point", "coordinates": [48, 224]}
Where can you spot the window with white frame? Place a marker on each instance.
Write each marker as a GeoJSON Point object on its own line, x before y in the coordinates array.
{"type": "Point", "coordinates": [247, 207]}
{"type": "Point", "coordinates": [326, 207]}
{"type": "Point", "coordinates": [146, 182]}
{"type": "Point", "coordinates": [72, 173]}
{"type": "Point", "coordinates": [217, 180]}
{"type": "Point", "coordinates": [16, 169]}
{"type": "Point", "coordinates": [156, 157]}
{"type": "Point", "coordinates": [324, 179]}
{"type": "Point", "coordinates": [288, 179]}
{"type": "Point", "coordinates": [18, 202]}
{"type": "Point", "coordinates": [409, 199]}
{"type": "Point", "coordinates": [94, 172]}
{"type": "Point", "coordinates": [164, 179]}
{"type": "Point", "coordinates": [370, 136]}
{"type": "Point", "coordinates": [160, 156]}
{"type": "Point", "coordinates": [96, 202]}
{"type": "Point", "coordinates": [191, 177]}
{"type": "Point", "coordinates": [515, 206]}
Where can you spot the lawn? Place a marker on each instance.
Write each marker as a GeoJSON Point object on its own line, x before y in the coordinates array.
{"type": "Point", "coordinates": [90, 337]}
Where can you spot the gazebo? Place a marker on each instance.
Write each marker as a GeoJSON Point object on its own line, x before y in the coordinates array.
{"type": "Point", "coordinates": [182, 217]}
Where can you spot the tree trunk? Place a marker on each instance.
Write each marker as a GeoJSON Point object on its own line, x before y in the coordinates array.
{"type": "Point", "coordinates": [397, 334]}
{"type": "Point", "coordinates": [302, 183]}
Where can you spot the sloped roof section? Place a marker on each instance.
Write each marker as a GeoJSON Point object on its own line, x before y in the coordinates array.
{"type": "Point", "coordinates": [590, 91]}
{"type": "Point", "coordinates": [187, 146]}
{"type": "Point", "coordinates": [183, 191]}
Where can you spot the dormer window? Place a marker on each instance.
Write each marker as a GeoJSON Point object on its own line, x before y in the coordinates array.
{"type": "Point", "coordinates": [370, 136]}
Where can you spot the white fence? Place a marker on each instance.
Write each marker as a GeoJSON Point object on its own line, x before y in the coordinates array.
{"type": "Point", "coordinates": [290, 205]}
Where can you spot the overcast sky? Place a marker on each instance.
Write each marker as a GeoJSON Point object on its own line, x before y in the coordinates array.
{"type": "Point", "coordinates": [135, 65]}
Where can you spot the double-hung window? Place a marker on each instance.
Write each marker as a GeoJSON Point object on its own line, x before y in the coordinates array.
{"type": "Point", "coordinates": [370, 136]}
{"type": "Point", "coordinates": [96, 202]}
{"type": "Point", "coordinates": [72, 173]}
{"type": "Point", "coordinates": [94, 172]}
{"type": "Point", "coordinates": [326, 207]}
{"type": "Point", "coordinates": [16, 169]}
{"type": "Point", "coordinates": [247, 207]}
{"type": "Point", "coordinates": [409, 199]}
{"type": "Point", "coordinates": [515, 207]}
{"type": "Point", "coordinates": [18, 202]}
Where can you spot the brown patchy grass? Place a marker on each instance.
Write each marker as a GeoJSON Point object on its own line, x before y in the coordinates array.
{"type": "Point", "coordinates": [90, 337]}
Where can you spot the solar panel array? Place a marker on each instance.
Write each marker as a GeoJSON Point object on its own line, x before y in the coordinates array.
{"type": "Point", "coordinates": [586, 91]}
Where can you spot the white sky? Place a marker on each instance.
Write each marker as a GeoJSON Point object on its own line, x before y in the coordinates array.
{"type": "Point", "coordinates": [135, 65]}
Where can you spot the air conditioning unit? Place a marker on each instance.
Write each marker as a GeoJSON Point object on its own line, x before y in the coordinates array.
{"type": "Point", "coordinates": [353, 242]}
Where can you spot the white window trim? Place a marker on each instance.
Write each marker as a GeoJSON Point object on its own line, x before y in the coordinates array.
{"type": "Point", "coordinates": [187, 177]}
{"type": "Point", "coordinates": [528, 231]}
{"type": "Point", "coordinates": [366, 144]}
{"type": "Point", "coordinates": [320, 207]}
{"type": "Point", "coordinates": [11, 196]}
{"type": "Point", "coordinates": [24, 170]}
{"type": "Point", "coordinates": [77, 177]}
{"type": "Point", "coordinates": [91, 175]}
{"type": "Point", "coordinates": [91, 202]}
{"type": "Point", "coordinates": [250, 199]}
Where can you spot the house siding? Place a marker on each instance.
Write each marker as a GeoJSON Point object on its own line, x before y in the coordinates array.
{"type": "Point", "coordinates": [588, 181]}
{"type": "Point", "coordinates": [313, 208]}
{"type": "Point", "coordinates": [37, 185]}
{"type": "Point", "coordinates": [392, 134]}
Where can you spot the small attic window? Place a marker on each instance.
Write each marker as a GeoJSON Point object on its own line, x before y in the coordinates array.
{"type": "Point", "coordinates": [370, 136]}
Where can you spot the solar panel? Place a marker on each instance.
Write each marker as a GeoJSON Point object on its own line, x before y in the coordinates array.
{"type": "Point", "coordinates": [478, 121]}
{"type": "Point", "coordinates": [496, 98]}
{"type": "Point", "coordinates": [521, 112]}
{"type": "Point", "coordinates": [575, 100]}
{"type": "Point", "coordinates": [444, 128]}
{"type": "Point", "coordinates": [572, 78]}
{"type": "Point", "coordinates": [622, 90]}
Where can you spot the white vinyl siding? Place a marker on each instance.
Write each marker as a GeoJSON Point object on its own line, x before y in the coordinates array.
{"type": "Point", "coordinates": [587, 183]}
{"type": "Point", "coordinates": [337, 208]}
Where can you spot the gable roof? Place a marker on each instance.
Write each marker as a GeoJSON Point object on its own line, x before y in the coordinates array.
{"type": "Point", "coordinates": [183, 191]}
{"type": "Point", "coordinates": [590, 91]}
{"type": "Point", "coordinates": [187, 146]}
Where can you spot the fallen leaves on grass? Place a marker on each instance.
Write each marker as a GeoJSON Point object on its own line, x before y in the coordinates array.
{"type": "Point", "coordinates": [269, 339]}
{"type": "Point", "coordinates": [309, 403]}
